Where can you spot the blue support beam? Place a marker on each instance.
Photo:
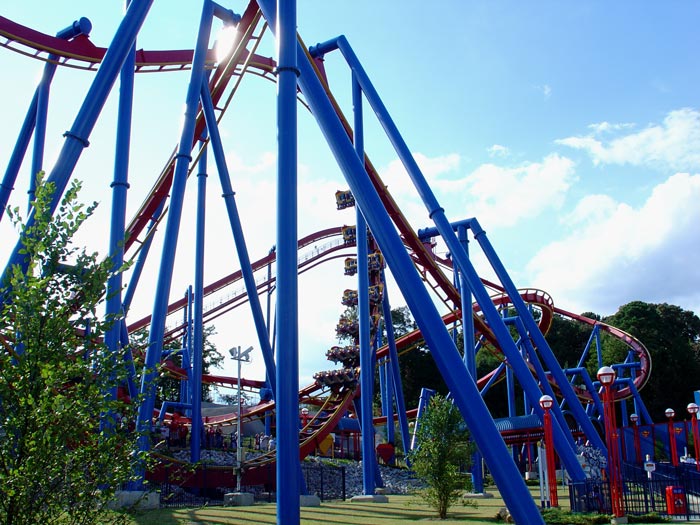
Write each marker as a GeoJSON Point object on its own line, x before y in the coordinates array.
{"type": "Point", "coordinates": [198, 343]}
{"type": "Point", "coordinates": [282, 19]}
{"type": "Point", "coordinates": [177, 191]}
{"type": "Point", "coordinates": [363, 315]}
{"type": "Point", "coordinates": [77, 137]}
{"type": "Point", "coordinates": [238, 236]}
{"type": "Point", "coordinates": [446, 356]}
{"type": "Point", "coordinates": [120, 187]}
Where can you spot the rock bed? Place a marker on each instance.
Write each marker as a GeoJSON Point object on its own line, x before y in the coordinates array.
{"type": "Point", "coordinates": [323, 477]}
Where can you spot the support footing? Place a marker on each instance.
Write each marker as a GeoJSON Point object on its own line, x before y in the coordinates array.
{"type": "Point", "coordinates": [370, 498]}
{"type": "Point", "coordinates": [238, 499]}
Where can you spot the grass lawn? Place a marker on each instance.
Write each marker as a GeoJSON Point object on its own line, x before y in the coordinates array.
{"type": "Point", "coordinates": [400, 509]}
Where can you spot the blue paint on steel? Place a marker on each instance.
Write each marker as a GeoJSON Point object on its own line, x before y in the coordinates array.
{"type": "Point", "coordinates": [198, 350]}
{"type": "Point", "coordinates": [425, 395]}
{"type": "Point", "coordinates": [238, 237]}
{"type": "Point", "coordinates": [537, 337]}
{"type": "Point", "coordinates": [120, 187]}
{"type": "Point", "coordinates": [137, 269]}
{"type": "Point", "coordinates": [493, 379]}
{"type": "Point", "coordinates": [283, 22]}
{"type": "Point", "coordinates": [18, 153]}
{"type": "Point", "coordinates": [442, 347]}
{"type": "Point", "coordinates": [160, 306]}
{"type": "Point", "coordinates": [468, 348]}
{"type": "Point", "coordinates": [78, 27]}
{"type": "Point", "coordinates": [128, 357]}
{"type": "Point", "coordinates": [394, 369]}
{"type": "Point", "coordinates": [436, 213]}
{"type": "Point", "coordinates": [77, 137]}
{"type": "Point", "coordinates": [42, 108]}
{"type": "Point", "coordinates": [363, 314]}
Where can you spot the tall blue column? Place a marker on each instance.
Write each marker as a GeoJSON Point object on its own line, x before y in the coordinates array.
{"type": "Point", "coordinates": [427, 317]}
{"type": "Point", "coordinates": [36, 120]}
{"type": "Point", "coordinates": [238, 237]}
{"type": "Point", "coordinates": [167, 261]}
{"type": "Point", "coordinates": [288, 468]}
{"type": "Point", "coordinates": [77, 137]}
{"type": "Point", "coordinates": [363, 315]}
{"type": "Point", "coordinates": [395, 370]}
{"type": "Point", "coordinates": [120, 187]}
{"type": "Point", "coordinates": [198, 350]}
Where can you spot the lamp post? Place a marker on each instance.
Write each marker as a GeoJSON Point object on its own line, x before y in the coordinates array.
{"type": "Point", "coordinates": [672, 436]}
{"type": "Point", "coordinates": [546, 402]}
{"type": "Point", "coordinates": [240, 356]}
{"type": "Point", "coordinates": [634, 418]}
{"type": "Point", "coordinates": [693, 409]}
{"type": "Point", "coordinates": [606, 376]}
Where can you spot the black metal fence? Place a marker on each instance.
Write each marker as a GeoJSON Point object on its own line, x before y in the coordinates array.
{"type": "Point", "coordinates": [325, 480]}
{"type": "Point", "coordinates": [668, 491]}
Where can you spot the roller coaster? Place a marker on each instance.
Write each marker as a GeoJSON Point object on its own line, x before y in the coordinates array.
{"type": "Point", "coordinates": [496, 317]}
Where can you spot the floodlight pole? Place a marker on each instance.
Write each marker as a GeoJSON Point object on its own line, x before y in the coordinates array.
{"type": "Point", "coordinates": [239, 356]}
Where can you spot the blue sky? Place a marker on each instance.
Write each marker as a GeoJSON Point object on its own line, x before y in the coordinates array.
{"type": "Point", "coordinates": [571, 130]}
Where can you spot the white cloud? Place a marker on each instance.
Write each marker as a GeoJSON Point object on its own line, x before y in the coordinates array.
{"type": "Point", "coordinates": [617, 254]}
{"type": "Point", "coordinates": [498, 150]}
{"type": "Point", "coordinates": [674, 144]}
{"type": "Point", "coordinates": [502, 196]}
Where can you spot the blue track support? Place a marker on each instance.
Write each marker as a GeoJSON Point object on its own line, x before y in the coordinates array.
{"type": "Point", "coordinates": [198, 350]}
{"type": "Point", "coordinates": [177, 191]}
{"type": "Point", "coordinates": [120, 187]}
{"type": "Point", "coordinates": [137, 268]}
{"type": "Point", "coordinates": [42, 109]}
{"type": "Point", "coordinates": [395, 369]}
{"type": "Point", "coordinates": [238, 237]}
{"type": "Point", "coordinates": [79, 27]}
{"type": "Point", "coordinates": [77, 137]}
{"type": "Point", "coordinates": [468, 348]}
{"type": "Point", "coordinates": [437, 214]}
{"type": "Point", "coordinates": [363, 315]}
{"type": "Point", "coordinates": [15, 162]}
{"type": "Point", "coordinates": [282, 19]}
{"type": "Point", "coordinates": [427, 317]}
{"type": "Point", "coordinates": [425, 395]}
{"type": "Point", "coordinates": [128, 358]}
{"type": "Point", "coordinates": [537, 337]}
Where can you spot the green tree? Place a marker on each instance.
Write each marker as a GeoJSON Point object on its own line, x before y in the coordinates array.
{"type": "Point", "coordinates": [418, 368]}
{"type": "Point", "coordinates": [443, 450]}
{"type": "Point", "coordinates": [57, 464]}
{"type": "Point", "coordinates": [168, 387]}
{"type": "Point", "coordinates": [671, 335]}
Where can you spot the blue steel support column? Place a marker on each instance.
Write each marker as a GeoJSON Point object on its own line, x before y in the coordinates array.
{"type": "Point", "coordinates": [389, 407]}
{"type": "Point", "coordinates": [13, 166]}
{"type": "Point", "coordinates": [160, 305]}
{"type": "Point", "coordinates": [423, 401]}
{"type": "Point", "coordinates": [42, 109]}
{"type": "Point", "coordinates": [395, 370]}
{"type": "Point", "coordinates": [120, 187]}
{"type": "Point", "coordinates": [77, 137]}
{"type": "Point", "coordinates": [469, 352]}
{"type": "Point", "coordinates": [437, 214]}
{"type": "Point", "coordinates": [287, 319]}
{"type": "Point", "coordinates": [197, 355]}
{"type": "Point", "coordinates": [447, 358]}
{"type": "Point", "coordinates": [363, 315]}
{"type": "Point", "coordinates": [238, 237]}
{"type": "Point", "coordinates": [137, 269]}
{"type": "Point", "coordinates": [537, 337]}
{"type": "Point", "coordinates": [79, 27]}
